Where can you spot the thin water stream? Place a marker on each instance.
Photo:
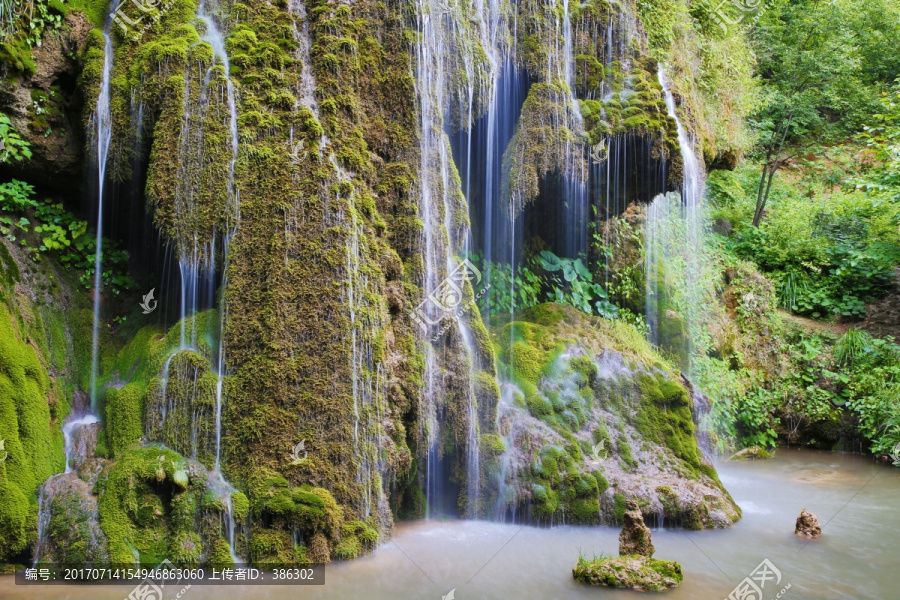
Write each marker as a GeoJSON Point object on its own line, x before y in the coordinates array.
{"type": "Point", "coordinates": [856, 498]}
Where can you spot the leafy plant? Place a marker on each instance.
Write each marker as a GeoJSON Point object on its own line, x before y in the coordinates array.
{"type": "Point", "coordinates": [571, 282]}
{"type": "Point", "coordinates": [60, 233]}
{"type": "Point", "coordinates": [852, 346]}
{"type": "Point", "coordinates": [13, 146]}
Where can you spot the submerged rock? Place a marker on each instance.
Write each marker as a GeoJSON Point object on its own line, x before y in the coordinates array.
{"type": "Point", "coordinates": [753, 452]}
{"type": "Point", "coordinates": [808, 525]}
{"type": "Point", "coordinates": [635, 537]}
{"type": "Point", "coordinates": [635, 572]}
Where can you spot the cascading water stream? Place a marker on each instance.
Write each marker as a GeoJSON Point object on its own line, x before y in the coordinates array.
{"type": "Point", "coordinates": [102, 121]}
{"type": "Point", "coordinates": [673, 235]}
{"type": "Point", "coordinates": [215, 39]}
{"type": "Point", "coordinates": [443, 236]}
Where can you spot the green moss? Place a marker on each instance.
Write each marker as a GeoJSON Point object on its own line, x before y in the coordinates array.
{"type": "Point", "coordinates": [624, 450]}
{"type": "Point", "coordinates": [220, 556]}
{"type": "Point", "coordinates": [240, 506]}
{"type": "Point", "coordinates": [619, 508]}
{"type": "Point", "coordinates": [140, 509]}
{"type": "Point", "coordinates": [124, 417]}
{"type": "Point", "coordinates": [185, 548]}
{"type": "Point", "coordinates": [634, 572]}
{"type": "Point", "coordinates": [31, 440]}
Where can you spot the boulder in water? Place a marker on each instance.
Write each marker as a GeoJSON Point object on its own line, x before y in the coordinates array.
{"type": "Point", "coordinates": [635, 572]}
{"type": "Point", "coordinates": [808, 525]}
{"type": "Point", "coordinates": [753, 452]}
{"type": "Point", "coordinates": [635, 537]}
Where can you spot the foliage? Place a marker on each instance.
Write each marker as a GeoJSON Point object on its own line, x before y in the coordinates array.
{"type": "Point", "coordinates": [12, 146]}
{"type": "Point", "coordinates": [58, 232]}
{"type": "Point", "coordinates": [545, 278]}
{"type": "Point", "coordinates": [571, 282]}
{"type": "Point", "coordinates": [852, 346]}
{"type": "Point", "coordinates": [22, 25]}
{"type": "Point", "coordinates": [829, 252]}
{"type": "Point", "coordinates": [883, 137]}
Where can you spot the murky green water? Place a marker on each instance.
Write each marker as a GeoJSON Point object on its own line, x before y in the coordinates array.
{"type": "Point", "coordinates": [858, 557]}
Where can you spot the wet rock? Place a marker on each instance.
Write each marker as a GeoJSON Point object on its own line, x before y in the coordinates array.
{"type": "Point", "coordinates": [635, 536]}
{"type": "Point", "coordinates": [635, 572]}
{"type": "Point", "coordinates": [69, 523]}
{"type": "Point", "coordinates": [808, 525]}
{"type": "Point", "coordinates": [753, 452]}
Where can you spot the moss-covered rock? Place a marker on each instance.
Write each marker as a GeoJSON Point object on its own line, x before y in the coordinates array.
{"type": "Point", "coordinates": [634, 572]}
{"type": "Point", "coordinates": [606, 420]}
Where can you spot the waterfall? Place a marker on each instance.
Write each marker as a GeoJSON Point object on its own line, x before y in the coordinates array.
{"type": "Point", "coordinates": [444, 49]}
{"type": "Point", "coordinates": [68, 430]}
{"type": "Point", "coordinates": [102, 134]}
{"type": "Point", "coordinates": [232, 217]}
{"type": "Point", "coordinates": [673, 243]}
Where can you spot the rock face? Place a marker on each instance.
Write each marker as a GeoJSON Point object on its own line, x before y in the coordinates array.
{"type": "Point", "coordinates": [808, 525]}
{"type": "Point", "coordinates": [634, 572]}
{"type": "Point", "coordinates": [45, 108]}
{"type": "Point", "coordinates": [635, 537]}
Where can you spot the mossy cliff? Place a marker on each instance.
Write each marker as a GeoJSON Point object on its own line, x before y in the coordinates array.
{"type": "Point", "coordinates": [42, 351]}
{"type": "Point", "coordinates": [322, 210]}
{"type": "Point", "coordinates": [591, 417]}
{"type": "Point", "coordinates": [322, 272]}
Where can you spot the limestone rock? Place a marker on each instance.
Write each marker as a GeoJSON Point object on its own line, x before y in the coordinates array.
{"type": "Point", "coordinates": [808, 525]}
{"type": "Point", "coordinates": [635, 536]}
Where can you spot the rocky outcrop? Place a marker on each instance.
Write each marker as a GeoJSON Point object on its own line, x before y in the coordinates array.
{"type": "Point", "coordinates": [594, 417]}
{"type": "Point", "coordinates": [808, 525]}
{"type": "Point", "coordinates": [45, 108]}
{"type": "Point", "coordinates": [635, 537]}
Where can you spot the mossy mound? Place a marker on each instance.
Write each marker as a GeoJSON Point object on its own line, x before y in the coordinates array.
{"type": "Point", "coordinates": [594, 417]}
{"type": "Point", "coordinates": [635, 572]}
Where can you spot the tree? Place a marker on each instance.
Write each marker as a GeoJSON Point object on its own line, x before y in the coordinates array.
{"type": "Point", "coordinates": [818, 63]}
